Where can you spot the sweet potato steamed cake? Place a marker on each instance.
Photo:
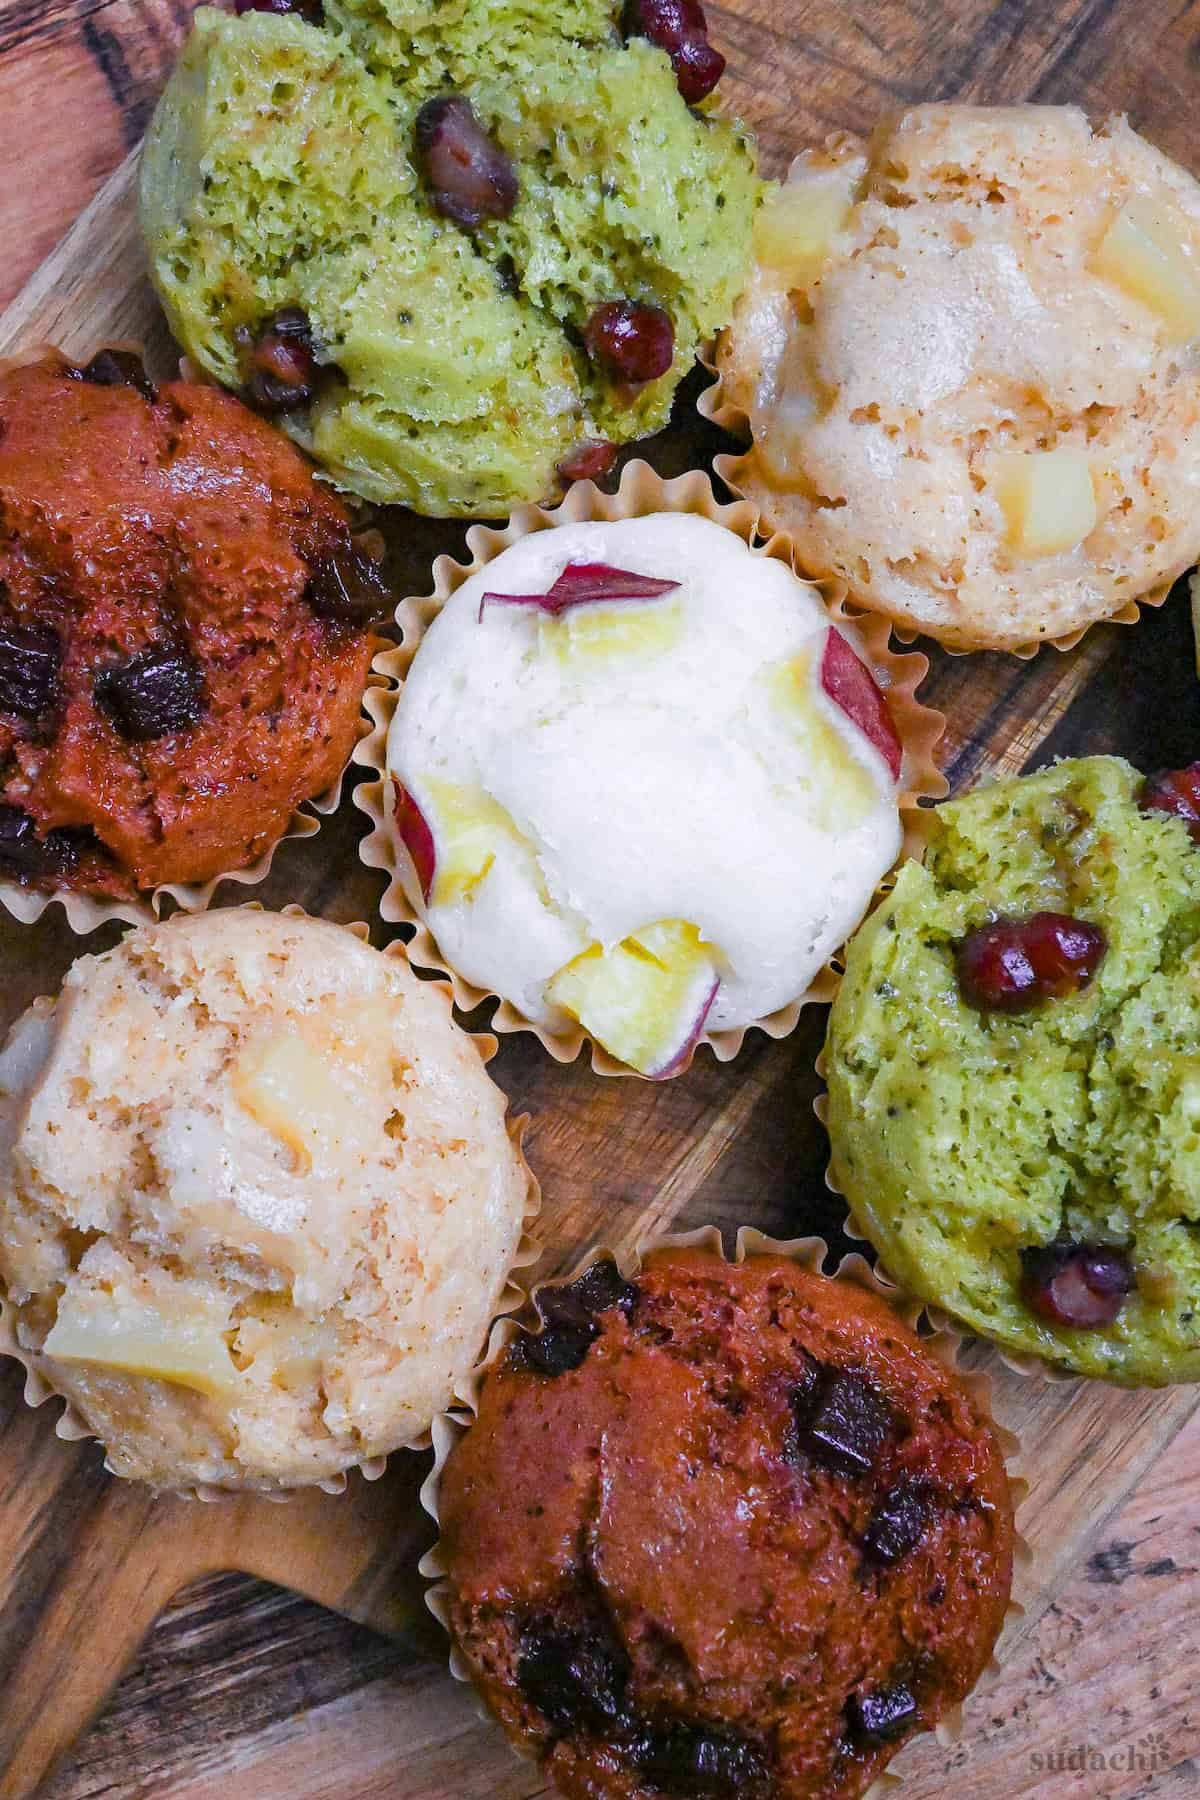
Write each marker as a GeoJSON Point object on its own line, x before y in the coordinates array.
{"type": "Point", "coordinates": [293, 168]}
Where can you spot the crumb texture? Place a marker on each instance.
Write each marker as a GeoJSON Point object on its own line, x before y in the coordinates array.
{"type": "Point", "coordinates": [969, 299]}
{"type": "Point", "coordinates": [753, 1539]}
{"type": "Point", "coordinates": [962, 1138]}
{"type": "Point", "coordinates": [280, 170]}
{"type": "Point", "coordinates": [180, 531]}
{"type": "Point", "coordinates": [257, 1199]}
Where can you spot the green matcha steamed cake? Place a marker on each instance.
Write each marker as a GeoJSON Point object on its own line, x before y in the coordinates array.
{"type": "Point", "coordinates": [964, 1137]}
{"type": "Point", "coordinates": [280, 172]}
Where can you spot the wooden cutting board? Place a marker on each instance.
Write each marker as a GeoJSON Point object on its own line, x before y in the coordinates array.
{"type": "Point", "coordinates": [86, 1564]}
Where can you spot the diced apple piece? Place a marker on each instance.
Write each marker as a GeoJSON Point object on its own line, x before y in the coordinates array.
{"type": "Point", "coordinates": [851, 685]}
{"type": "Point", "coordinates": [181, 1341]}
{"type": "Point", "coordinates": [595, 634]}
{"type": "Point", "coordinates": [291, 1089]}
{"type": "Point", "coordinates": [1046, 496]}
{"type": "Point", "coordinates": [845, 790]}
{"type": "Point", "coordinates": [416, 837]}
{"type": "Point", "coordinates": [1140, 254]}
{"type": "Point", "coordinates": [646, 999]}
{"type": "Point", "coordinates": [795, 230]}
{"type": "Point", "coordinates": [291, 1348]}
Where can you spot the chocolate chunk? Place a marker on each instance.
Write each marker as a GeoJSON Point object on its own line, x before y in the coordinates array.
{"type": "Point", "coordinates": [24, 854]}
{"type": "Point", "coordinates": [30, 656]}
{"type": "Point", "coordinates": [158, 691]}
{"type": "Point", "coordinates": [569, 1316]}
{"type": "Point", "coordinates": [685, 1759]}
{"type": "Point", "coordinates": [556, 1350]}
{"type": "Point", "coordinates": [119, 368]}
{"type": "Point", "coordinates": [599, 1288]}
{"type": "Point", "coordinates": [898, 1523]}
{"type": "Point", "coordinates": [346, 587]}
{"type": "Point", "coordinates": [576, 1680]}
{"type": "Point", "coordinates": [844, 1425]}
{"type": "Point", "coordinates": [882, 1716]}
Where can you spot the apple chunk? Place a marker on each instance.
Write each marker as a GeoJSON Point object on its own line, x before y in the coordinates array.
{"type": "Point", "coordinates": [646, 999]}
{"type": "Point", "coordinates": [1046, 496]}
{"type": "Point", "coordinates": [794, 232]}
{"type": "Point", "coordinates": [291, 1089]}
{"type": "Point", "coordinates": [1140, 254]}
{"type": "Point", "coordinates": [181, 1340]}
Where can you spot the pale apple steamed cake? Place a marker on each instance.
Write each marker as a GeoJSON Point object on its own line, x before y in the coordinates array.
{"type": "Point", "coordinates": [257, 1199]}
{"type": "Point", "coordinates": [968, 357]}
{"type": "Point", "coordinates": [644, 783]}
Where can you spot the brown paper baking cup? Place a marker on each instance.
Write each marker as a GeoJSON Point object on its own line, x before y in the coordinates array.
{"type": "Point", "coordinates": [641, 492]}
{"type": "Point", "coordinates": [86, 912]}
{"type": "Point", "coordinates": [942, 1341]}
{"type": "Point", "coordinates": [71, 1425]}
{"type": "Point", "coordinates": [743, 476]}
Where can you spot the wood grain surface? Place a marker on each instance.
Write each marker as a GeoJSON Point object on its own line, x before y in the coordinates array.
{"type": "Point", "coordinates": [244, 1682]}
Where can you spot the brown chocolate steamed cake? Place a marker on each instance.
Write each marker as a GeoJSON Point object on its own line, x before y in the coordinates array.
{"type": "Point", "coordinates": [723, 1531]}
{"type": "Point", "coordinates": [184, 632]}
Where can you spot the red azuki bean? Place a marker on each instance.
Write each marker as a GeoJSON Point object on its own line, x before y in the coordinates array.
{"type": "Point", "coordinates": [588, 461]}
{"type": "Point", "coordinates": [470, 177]}
{"type": "Point", "coordinates": [680, 28]}
{"type": "Point", "coordinates": [698, 68]}
{"type": "Point", "coordinates": [1174, 791]}
{"type": "Point", "coordinates": [633, 342]}
{"type": "Point", "coordinates": [281, 364]}
{"type": "Point", "coordinates": [1083, 1285]}
{"type": "Point", "coordinates": [1013, 964]}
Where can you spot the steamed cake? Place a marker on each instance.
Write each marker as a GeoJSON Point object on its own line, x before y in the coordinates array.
{"type": "Point", "coordinates": [282, 171]}
{"type": "Point", "coordinates": [184, 629]}
{"type": "Point", "coordinates": [587, 774]}
{"type": "Point", "coordinates": [257, 1199]}
{"type": "Point", "coordinates": [967, 354]}
{"type": "Point", "coordinates": [971, 1143]}
{"type": "Point", "coordinates": [722, 1532]}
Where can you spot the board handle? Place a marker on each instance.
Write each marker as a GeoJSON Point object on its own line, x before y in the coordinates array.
{"type": "Point", "coordinates": [117, 1567]}
{"type": "Point", "coordinates": [119, 1554]}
